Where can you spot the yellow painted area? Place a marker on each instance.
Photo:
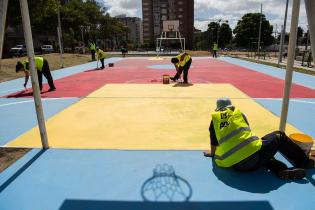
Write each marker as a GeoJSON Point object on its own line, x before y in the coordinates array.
{"type": "Point", "coordinates": [156, 59]}
{"type": "Point", "coordinates": [145, 116]}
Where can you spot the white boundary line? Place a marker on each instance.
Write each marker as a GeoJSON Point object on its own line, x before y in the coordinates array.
{"type": "Point", "coordinates": [29, 101]}
{"type": "Point", "coordinates": [294, 100]}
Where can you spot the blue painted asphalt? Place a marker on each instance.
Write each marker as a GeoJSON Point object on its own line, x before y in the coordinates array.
{"type": "Point", "coordinates": [162, 66]}
{"type": "Point", "coordinates": [300, 112]}
{"type": "Point", "coordinates": [105, 179]}
{"type": "Point", "coordinates": [18, 115]}
{"type": "Point", "coordinates": [13, 86]}
{"type": "Point", "coordinates": [298, 78]}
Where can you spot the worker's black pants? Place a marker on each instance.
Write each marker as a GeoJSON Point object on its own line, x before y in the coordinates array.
{"type": "Point", "coordinates": [184, 69]}
{"type": "Point", "coordinates": [93, 55]}
{"type": "Point", "coordinates": [271, 144]}
{"type": "Point", "coordinates": [102, 62]}
{"type": "Point", "coordinates": [46, 72]}
{"type": "Point", "coordinates": [214, 54]}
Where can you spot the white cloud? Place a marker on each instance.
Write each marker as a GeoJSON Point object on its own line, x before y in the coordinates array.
{"type": "Point", "coordinates": [231, 10]}
{"type": "Point", "coordinates": [127, 7]}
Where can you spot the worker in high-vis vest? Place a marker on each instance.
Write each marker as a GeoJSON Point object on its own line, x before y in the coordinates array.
{"type": "Point", "coordinates": [93, 50]}
{"type": "Point", "coordinates": [101, 55]}
{"type": "Point", "coordinates": [182, 63]}
{"type": "Point", "coordinates": [215, 50]}
{"type": "Point", "coordinates": [234, 145]}
{"type": "Point", "coordinates": [42, 68]}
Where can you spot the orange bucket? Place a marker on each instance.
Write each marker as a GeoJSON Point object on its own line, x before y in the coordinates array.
{"type": "Point", "coordinates": [166, 79]}
{"type": "Point", "coordinates": [304, 141]}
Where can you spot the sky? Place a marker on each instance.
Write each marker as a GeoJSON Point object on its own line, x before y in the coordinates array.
{"type": "Point", "coordinates": [209, 10]}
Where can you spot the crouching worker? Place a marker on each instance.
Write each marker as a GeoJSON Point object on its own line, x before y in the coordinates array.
{"type": "Point", "coordinates": [42, 68]}
{"type": "Point", "coordinates": [234, 145]}
{"type": "Point", "coordinates": [182, 63]}
{"type": "Point", "coordinates": [101, 55]}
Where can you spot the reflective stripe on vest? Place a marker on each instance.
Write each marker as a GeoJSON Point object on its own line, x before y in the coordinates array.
{"type": "Point", "coordinates": [184, 61]}
{"type": "Point", "coordinates": [232, 134]}
{"type": "Point", "coordinates": [238, 147]}
{"type": "Point", "coordinates": [235, 138]}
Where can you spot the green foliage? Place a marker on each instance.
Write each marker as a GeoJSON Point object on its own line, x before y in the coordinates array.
{"type": "Point", "coordinates": [248, 27]}
{"type": "Point", "coordinates": [205, 40]}
{"type": "Point", "coordinates": [77, 16]}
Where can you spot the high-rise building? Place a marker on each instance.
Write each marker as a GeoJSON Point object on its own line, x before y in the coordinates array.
{"type": "Point", "coordinates": [156, 11]}
{"type": "Point", "coordinates": [135, 28]}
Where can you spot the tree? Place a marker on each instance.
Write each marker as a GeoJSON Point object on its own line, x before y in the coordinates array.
{"type": "Point", "coordinates": [223, 31]}
{"type": "Point", "coordinates": [225, 35]}
{"type": "Point", "coordinates": [248, 28]}
{"type": "Point", "coordinates": [300, 32]}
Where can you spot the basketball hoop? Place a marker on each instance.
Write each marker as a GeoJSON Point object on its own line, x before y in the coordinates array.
{"type": "Point", "coordinates": [171, 28]}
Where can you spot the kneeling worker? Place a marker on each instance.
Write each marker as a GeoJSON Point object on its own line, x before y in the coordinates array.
{"type": "Point", "coordinates": [182, 63]}
{"type": "Point", "coordinates": [233, 145]}
{"type": "Point", "coordinates": [42, 68]}
{"type": "Point", "coordinates": [101, 55]}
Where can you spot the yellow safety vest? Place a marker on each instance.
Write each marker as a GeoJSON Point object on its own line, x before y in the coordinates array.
{"type": "Point", "coordinates": [184, 61]}
{"type": "Point", "coordinates": [39, 62]}
{"type": "Point", "coordinates": [215, 47]}
{"type": "Point", "coordinates": [100, 54]}
{"type": "Point", "coordinates": [235, 138]}
{"type": "Point", "coordinates": [92, 46]}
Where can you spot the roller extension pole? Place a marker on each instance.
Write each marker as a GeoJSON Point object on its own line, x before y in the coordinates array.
{"type": "Point", "coordinates": [310, 11]}
{"type": "Point", "coordinates": [290, 63]}
{"type": "Point", "coordinates": [35, 86]}
{"type": "Point", "coordinates": [3, 15]}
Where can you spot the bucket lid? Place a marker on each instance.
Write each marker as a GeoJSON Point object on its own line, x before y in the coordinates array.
{"type": "Point", "coordinates": [301, 137]}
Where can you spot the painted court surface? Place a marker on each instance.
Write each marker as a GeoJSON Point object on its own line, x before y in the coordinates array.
{"type": "Point", "coordinates": [120, 138]}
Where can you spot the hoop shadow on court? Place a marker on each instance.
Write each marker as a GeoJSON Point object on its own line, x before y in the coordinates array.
{"type": "Point", "coordinates": [164, 190]}
{"type": "Point", "coordinates": [166, 185]}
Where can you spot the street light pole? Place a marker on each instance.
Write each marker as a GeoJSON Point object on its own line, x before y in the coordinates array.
{"type": "Point", "coordinates": [283, 33]}
{"type": "Point", "coordinates": [59, 31]}
{"type": "Point", "coordinates": [83, 45]}
{"type": "Point", "coordinates": [259, 36]}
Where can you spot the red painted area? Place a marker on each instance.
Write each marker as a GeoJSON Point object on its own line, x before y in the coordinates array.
{"type": "Point", "coordinates": [254, 84]}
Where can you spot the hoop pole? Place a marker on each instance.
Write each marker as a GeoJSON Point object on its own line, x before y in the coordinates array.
{"type": "Point", "coordinates": [290, 63]}
{"type": "Point", "coordinates": [31, 56]}
{"type": "Point", "coordinates": [3, 15]}
{"type": "Point", "coordinates": [310, 11]}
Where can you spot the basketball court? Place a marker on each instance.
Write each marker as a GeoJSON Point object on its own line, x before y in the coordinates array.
{"type": "Point", "coordinates": [110, 132]}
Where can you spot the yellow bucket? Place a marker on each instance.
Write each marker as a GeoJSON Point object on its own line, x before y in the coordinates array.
{"type": "Point", "coordinates": [304, 141]}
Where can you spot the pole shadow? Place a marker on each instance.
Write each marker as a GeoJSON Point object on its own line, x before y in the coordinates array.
{"type": "Point", "coordinates": [21, 170]}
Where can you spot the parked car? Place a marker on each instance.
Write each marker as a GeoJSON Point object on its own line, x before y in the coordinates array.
{"type": "Point", "coordinates": [18, 51]}
{"type": "Point", "coordinates": [47, 48]}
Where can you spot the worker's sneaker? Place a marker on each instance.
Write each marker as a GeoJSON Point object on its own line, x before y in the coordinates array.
{"type": "Point", "coordinates": [173, 79]}
{"type": "Point", "coordinates": [51, 89]}
{"type": "Point", "coordinates": [294, 173]}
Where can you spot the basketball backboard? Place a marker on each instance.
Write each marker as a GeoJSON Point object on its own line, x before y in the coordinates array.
{"type": "Point", "coordinates": [171, 25]}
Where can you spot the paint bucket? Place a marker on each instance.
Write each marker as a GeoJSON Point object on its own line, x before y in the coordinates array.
{"type": "Point", "coordinates": [166, 79]}
{"type": "Point", "coordinates": [304, 141]}
{"type": "Point", "coordinates": [111, 64]}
